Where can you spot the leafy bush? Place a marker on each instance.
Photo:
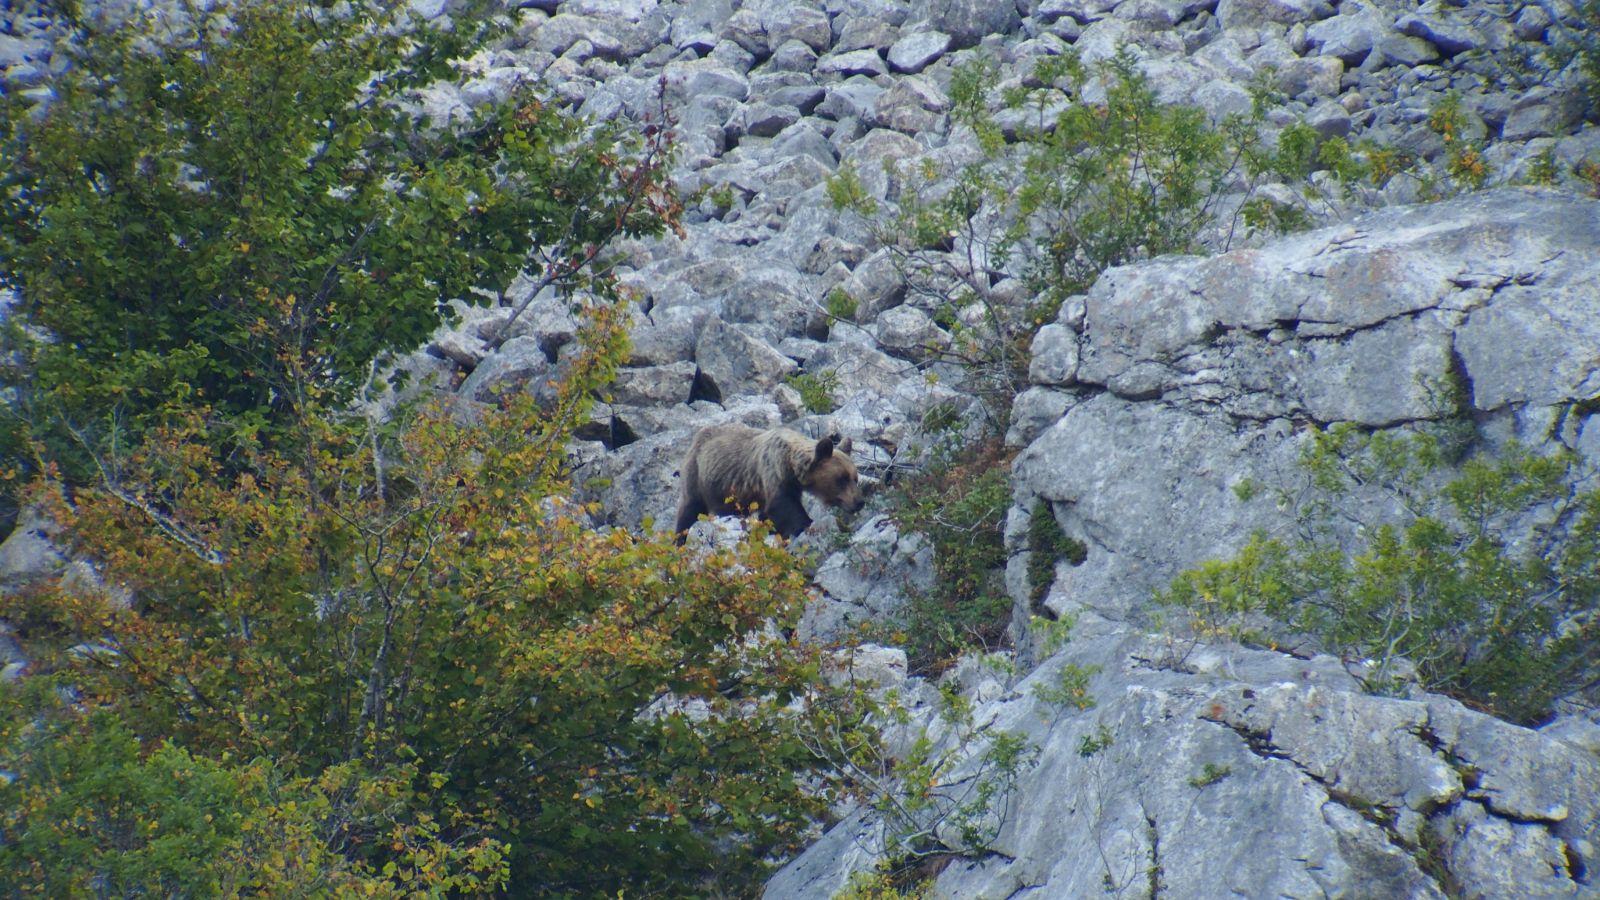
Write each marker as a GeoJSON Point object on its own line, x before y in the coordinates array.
{"type": "Point", "coordinates": [840, 305]}
{"type": "Point", "coordinates": [1047, 545]}
{"type": "Point", "coordinates": [947, 796]}
{"type": "Point", "coordinates": [86, 811]}
{"type": "Point", "coordinates": [240, 213]}
{"type": "Point", "coordinates": [603, 711]}
{"type": "Point", "coordinates": [816, 389]}
{"type": "Point", "coordinates": [1465, 162]}
{"type": "Point", "coordinates": [1115, 181]}
{"type": "Point", "coordinates": [1488, 583]}
{"type": "Point", "coordinates": [407, 673]}
{"type": "Point", "coordinates": [960, 505]}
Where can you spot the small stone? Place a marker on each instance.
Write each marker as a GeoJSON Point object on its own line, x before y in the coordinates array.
{"type": "Point", "coordinates": [856, 62]}
{"type": "Point", "coordinates": [1542, 112]}
{"type": "Point", "coordinates": [912, 53]}
{"type": "Point", "coordinates": [764, 120]}
{"type": "Point", "coordinates": [1316, 75]}
{"type": "Point", "coordinates": [1531, 23]}
{"type": "Point", "coordinates": [1451, 38]}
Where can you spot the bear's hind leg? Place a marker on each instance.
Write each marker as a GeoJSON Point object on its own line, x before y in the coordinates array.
{"type": "Point", "coordinates": [690, 509]}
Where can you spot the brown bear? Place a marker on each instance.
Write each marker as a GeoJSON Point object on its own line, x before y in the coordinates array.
{"type": "Point", "coordinates": [732, 469]}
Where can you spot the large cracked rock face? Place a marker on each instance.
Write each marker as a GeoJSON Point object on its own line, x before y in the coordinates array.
{"type": "Point", "coordinates": [1181, 379]}
{"type": "Point", "coordinates": [1207, 771]}
{"type": "Point", "coordinates": [1235, 773]}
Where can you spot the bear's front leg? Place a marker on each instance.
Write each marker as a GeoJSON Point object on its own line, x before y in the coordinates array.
{"type": "Point", "coordinates": [788, 515]}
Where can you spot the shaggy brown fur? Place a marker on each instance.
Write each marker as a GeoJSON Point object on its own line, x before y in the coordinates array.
{"type": "Point", "coordinates": [732, 469]}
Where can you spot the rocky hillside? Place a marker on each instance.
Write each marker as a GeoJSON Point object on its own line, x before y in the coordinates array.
{"type": "Point", "coordinates": [1220, 770]}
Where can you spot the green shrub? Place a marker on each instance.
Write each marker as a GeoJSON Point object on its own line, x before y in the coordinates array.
{"type": "Point", "coordinates": [1488, 582]}
{"type": "Point", "coordinates": [598, 710]}
{"type": "Point", "coordinates": [841, 306]}
{"type": "Point", "coordinates": [1048, 544]}
{"type": "Point", "coordinates": [1465, 162]}
{"type": "Point", "coordinates": [242, 213]}
{"type": "Point", "coordinates": [959, 503]}
{"type": "Point", "coordinates": [882, 884]}
{"type": "Point", "coordinates": [1069, 689]}
{"type": "Point", "coordinates": [951, 792]}
{"type": "Point", "coordinates": [816, 390]}
{"type": "Point", "coordinates": [1210, 774]}
{"type": "Point", "coordinates": [88, 809]}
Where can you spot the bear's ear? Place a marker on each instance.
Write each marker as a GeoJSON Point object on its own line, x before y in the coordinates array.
{"type": "Point", "coordinates": [843, 446]}
{"type": "Point", "coordinates": [824, 450]}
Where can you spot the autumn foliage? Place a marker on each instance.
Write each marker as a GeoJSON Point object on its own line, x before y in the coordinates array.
{"type": "Point", "coordinates": [540, 706]}
{"type": "Point", "coordinates": [320, 654]}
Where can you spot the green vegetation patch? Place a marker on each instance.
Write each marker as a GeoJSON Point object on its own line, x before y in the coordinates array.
{"type": "Point", "coordinates": [1487, 581]}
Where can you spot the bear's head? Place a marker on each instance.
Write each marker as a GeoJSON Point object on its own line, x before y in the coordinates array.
{"type": "Point", "coordinates": [832, 476]}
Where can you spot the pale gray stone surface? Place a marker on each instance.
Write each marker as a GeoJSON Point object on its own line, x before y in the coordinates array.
{"type": "Point", "coordinates": [1250, 773]}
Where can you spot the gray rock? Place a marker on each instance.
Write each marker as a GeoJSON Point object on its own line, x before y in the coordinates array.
{"type": "Point", "coordinates": [870, 580]}
{"type": "Point", "coordinates": [1349, 36]}
{"type": "Point", "coordinates": [729, 53]}
{"type": "Point", "coordinates": [851, 99]}
{"type": "Point", "coordinates": [1034, 410]}
{"type": "Point", "coordinates": [913, 105]}
{"type": "Point", "coordinates": [1400, 50]}
{"type": "Point", "coordinates": [869, 665]}
{"type": "Point", "coordinates": [875, 285]}
{"type": "Point", "coordinates": [864, 33]}
{"type": "Point", "coordinates": [1225, 57]}
{"type": "Point", "coordinates": [654, 385]}
{"type": "Point", "coordinates": [805, 140]}
{"type": "Point", "coordinates": [1254, 13]}
{"type": "Point", "coordinates": [465, 350]}
{"type": "Point", "coordinates": [746, 29]}
{"type": "Point", "coordinates": [793, 56]}
{"type": "Point", "coordinates": [1289, 752]}
{"type": "Point", "coordinates": [803, 96]}
{"type": "Point", "coordinates": [558, 34]}
{"type": "Point", "coordinates": [1367, 318]}
{"type": "Point", "coordinates": [908, 332]}
{"type": "Point", "coordinates": [786, 21]}
{"type": "Point", "coordinates": [427, 9]}
{"type": "Point", "coordinates": [1317, 76]}
{"type": "Point", "coordinates": [736, 363]}
{"type": "Point", "coordinates": [1531, 22]}
{"type": "Point", "coordinates": [855, 62]}
{"type": "Point", "coordinates": [1047, 12]}
{"type": "Point", "coordinates": [15, 51]}
{"type": "Point", "coordinates": [1449, 36]}
{"type": "Point", "coordinates": [1055, 356]}
{"type": "Point", "coordinates": [686, 81]}
{"type": "Point", "coordinates": [28, 554]}
{"type": "Point", "coordinates": [1221, 99]}
{"type": "Point", "coordinates": [518, 362]}
{"type": "Point", "coordinates": [664, 340]}
{"type": "Point", "coordinates": [1542, 112]}
{"type": "Point", "coordinates": [766, 120]}
{"type": "Point", "coordinates": [913, 52]}
{"type": "Point", "coordinates": [1330, 119]}
{"type": "Point", "coordinates": [969, 21]}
